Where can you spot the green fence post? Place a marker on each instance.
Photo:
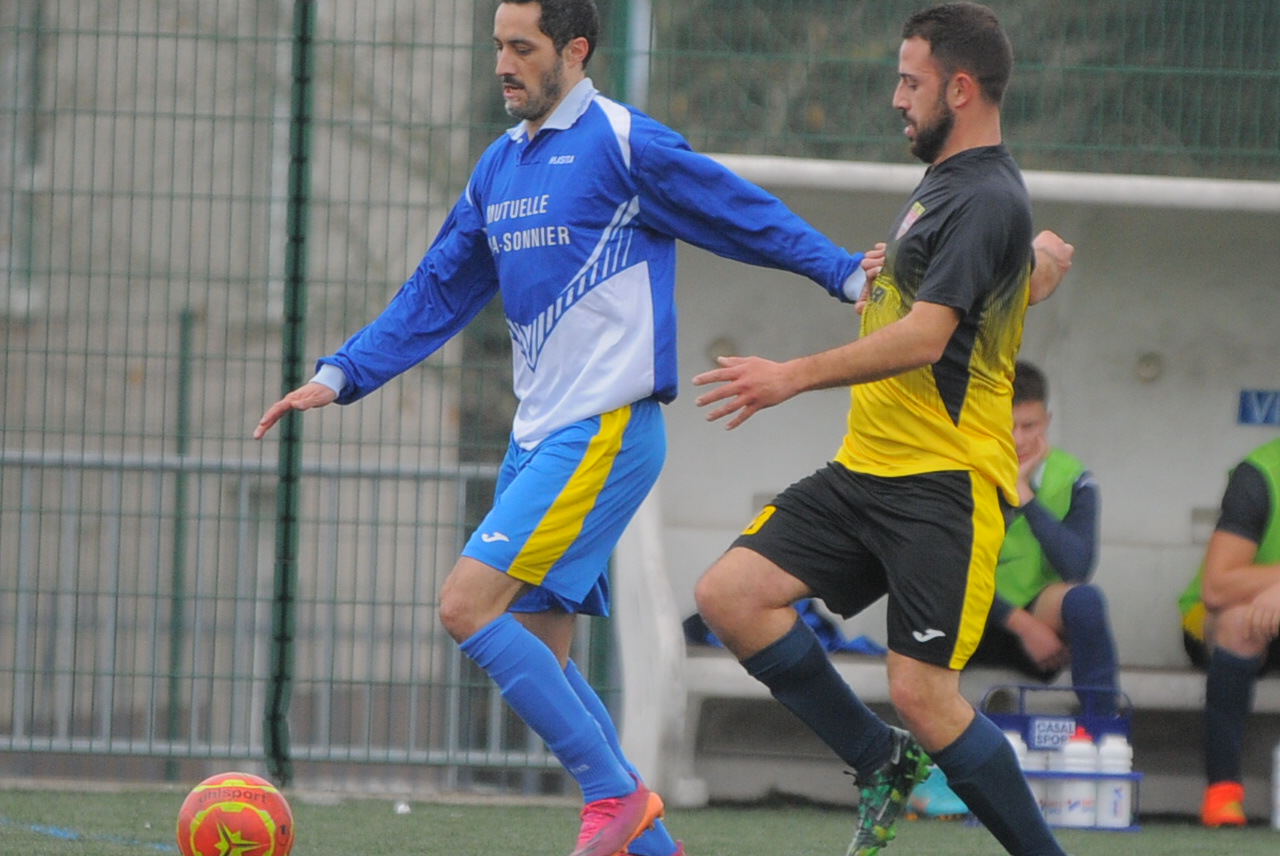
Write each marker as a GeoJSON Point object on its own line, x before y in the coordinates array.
{"type": "Point", "coordinates": [618, 24]}
{"type": "Point", "coordinates": [284, 602]}
{"type": "Point", "coordinates": [178, 585]}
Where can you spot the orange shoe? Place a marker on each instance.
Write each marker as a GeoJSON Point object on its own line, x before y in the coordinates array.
{"type": "Point", "coordinates": [609, 825]}
{"type": "Point", "coordinates": [1223, 805]}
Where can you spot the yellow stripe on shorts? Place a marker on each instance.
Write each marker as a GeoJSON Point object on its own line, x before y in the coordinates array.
{"type": "Point", "coordinates": [980, 589]}
{"type": "Point", "coordinates": [562, 523]}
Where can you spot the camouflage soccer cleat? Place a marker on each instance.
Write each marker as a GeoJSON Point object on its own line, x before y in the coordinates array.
{"type": "Point", "coordinates": [883, 799]}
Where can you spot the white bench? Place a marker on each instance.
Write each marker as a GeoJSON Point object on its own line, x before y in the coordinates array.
{"type": "Point", "coordinates": [711, 672]}
{"type": "Point", "coordinates": [668, 685]}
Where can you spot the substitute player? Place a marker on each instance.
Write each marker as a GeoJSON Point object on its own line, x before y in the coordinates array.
{"type": "Point", "coordinates": [913, 504]}
{"type": "Point", "coordinates": [1231, 623]}
{"type": "Point", "coordinates": [572, 215]}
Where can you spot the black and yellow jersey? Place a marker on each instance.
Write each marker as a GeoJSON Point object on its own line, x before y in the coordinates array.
{"type": "Point", "coordinates": [964, 241]}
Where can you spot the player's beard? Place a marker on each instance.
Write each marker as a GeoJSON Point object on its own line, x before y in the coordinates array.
{"type": "Point", "coordinates": [538, 104]}
{"type": "Point", "coordinates": [932, 137]}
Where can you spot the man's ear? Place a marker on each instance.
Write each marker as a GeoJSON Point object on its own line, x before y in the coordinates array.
{"type": "Point", "coordinates": [962, 89]}
{"type": "Point", "coordinates": [576, 51]}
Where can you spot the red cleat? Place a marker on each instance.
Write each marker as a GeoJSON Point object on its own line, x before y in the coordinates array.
{"type": "Point", "coordinates": [1223, 805]}
{"type": "Point", "coordinates": [609, 825]}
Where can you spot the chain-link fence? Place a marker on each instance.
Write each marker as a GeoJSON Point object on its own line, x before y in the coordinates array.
{"type": "Point", "coordinates": [198, 198]}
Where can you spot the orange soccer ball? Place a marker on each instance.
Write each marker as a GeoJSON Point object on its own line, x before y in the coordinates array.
{"type": "Point", "coordinates": [236, 813]}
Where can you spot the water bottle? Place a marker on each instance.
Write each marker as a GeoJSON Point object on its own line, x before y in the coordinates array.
{"type": "Point", "coordinates": [1079, 794]}
{"type": "Point", "coordinates": [1115, 796]}
{"type": "Point", "coordinates": [1019, 747]}
{"type": "Point", "coordinates": [1052, 805]}
{"type": "Point", "coordinates": [1037, 760]}
{"type": "Point", "coordinates": [1020, 752]}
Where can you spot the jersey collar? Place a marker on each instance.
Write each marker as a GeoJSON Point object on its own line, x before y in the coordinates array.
{"type": "Point", "coordinates": [567, 112]}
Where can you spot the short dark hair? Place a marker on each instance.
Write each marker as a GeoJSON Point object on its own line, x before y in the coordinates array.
{"type": "Point", "coordinates": [1029, 384]}
{"type": "Point", "coordinates": [565, 20]}
{"type": "Point", "coordinates": [966, 37]}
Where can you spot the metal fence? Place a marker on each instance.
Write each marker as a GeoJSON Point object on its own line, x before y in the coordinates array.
{"type": "Point", "coordinates": [197, 198]}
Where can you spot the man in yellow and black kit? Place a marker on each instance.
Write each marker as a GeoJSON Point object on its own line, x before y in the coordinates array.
{"type": "Point", "coordinates": [1230, 621]}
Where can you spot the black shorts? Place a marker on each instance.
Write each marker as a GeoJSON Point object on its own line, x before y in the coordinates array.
{"type": "Point", "coordinates": [929, 541]}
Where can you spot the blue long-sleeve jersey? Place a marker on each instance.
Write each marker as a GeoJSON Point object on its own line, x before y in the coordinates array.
{"type": "Point", "coordinates": [576, 227]}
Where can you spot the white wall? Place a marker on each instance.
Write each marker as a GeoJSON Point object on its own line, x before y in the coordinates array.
{"type": "Point", "coordinates": [1179, 274]}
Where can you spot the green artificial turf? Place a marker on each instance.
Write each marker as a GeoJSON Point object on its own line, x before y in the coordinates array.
{"type": "Point", "coordinates": [47, 822]}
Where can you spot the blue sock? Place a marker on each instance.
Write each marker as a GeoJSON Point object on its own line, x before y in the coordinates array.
{"type": "Point", "coordinates": [533, 683]}
{"type": "Point", "coordinates": [1228, 698]}
{"type": "Point", "coordinates": [983, 771]}
{"type": "Point", "coordinates": [1093, 651]}
{"type": "Point", "coordinates": [799, 674]}
{"type": "Point", "coordinates": [655, 841]}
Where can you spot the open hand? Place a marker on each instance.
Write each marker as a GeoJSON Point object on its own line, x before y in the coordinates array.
{"type": "Point", "coordinates": [305, 397]}
{"type": "Point", "coordinates": [750, 384]}
{"type": "Point", "coordinates": [1264, 614]}
{"type": "Point", "coordinates": [1042, 645]}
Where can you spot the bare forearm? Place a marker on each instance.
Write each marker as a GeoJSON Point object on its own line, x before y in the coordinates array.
{"type": "Point", "coordinates": [749, 384]}
{"type": "Point", "coordinates": [1053, 260]}
{"type": "Point", "coordinates": [908, 344]}
{"type": "Point", "coordinates": [1239, 585]}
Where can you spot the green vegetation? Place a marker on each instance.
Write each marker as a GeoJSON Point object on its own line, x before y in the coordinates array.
{"type": "Point", "coordinates": [1141, 86]}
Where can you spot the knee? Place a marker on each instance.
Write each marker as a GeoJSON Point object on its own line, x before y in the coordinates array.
{"type": "Point", "coordinates": [736, 593]}
{"type": "Point", "coordinates": [453, 619]}
{"type": "Point", "coordinates": [916, 694]}
{"type": "Point", "coordinates": [1231, 632]}
{"type": "Point", "coordinates": [1084, 607]}
{"type": "Point", "coordinates": [910, 701]}
{"type": "Point", "coordinates": [716, 598]}
{"type": "Point", "coordinates": [934, 714]}
{"type": "Point", "coordinates": [458, 614]}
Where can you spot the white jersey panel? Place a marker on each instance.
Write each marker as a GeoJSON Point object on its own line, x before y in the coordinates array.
{"type": "Point", "coordinates": [598, 357]}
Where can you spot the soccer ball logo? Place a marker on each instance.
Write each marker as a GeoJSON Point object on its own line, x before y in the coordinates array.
{"type": "Point", "coordinates": [235, 814]}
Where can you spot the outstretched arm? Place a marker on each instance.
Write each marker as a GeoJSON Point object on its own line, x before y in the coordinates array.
{"type": "Point", "coordinates": [692, 197]}
{"type": "Point", "coordinates": [753, 383]}
{"type": "Point", "coordinates": [453, 282]}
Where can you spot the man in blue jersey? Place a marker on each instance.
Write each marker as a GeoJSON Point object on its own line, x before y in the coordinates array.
{"type": "Point", "coordinates": [572, 216]}
{"type": "Point", "coordinates": [913, 505]}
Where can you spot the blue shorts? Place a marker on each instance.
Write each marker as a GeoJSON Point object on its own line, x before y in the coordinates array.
{"type": "Point", "coordinates": [561, 507]}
